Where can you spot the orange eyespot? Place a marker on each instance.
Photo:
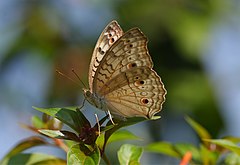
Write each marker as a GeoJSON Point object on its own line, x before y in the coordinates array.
{"type": "Point", "coordinates": [138, 83]}
{"type": "Point", "coordinates": [111, 41]}
{"type": "Point", "coordinates": [144, 101]}
{"type": "Point", "coordinates": [131, 65]}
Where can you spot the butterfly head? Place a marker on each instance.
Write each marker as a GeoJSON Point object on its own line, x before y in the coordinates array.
{"type": "Point", "coordinates": [93, 99]}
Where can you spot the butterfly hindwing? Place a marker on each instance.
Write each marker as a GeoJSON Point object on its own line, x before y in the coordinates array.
{"type": "Point", "coordinates": [142, 94]}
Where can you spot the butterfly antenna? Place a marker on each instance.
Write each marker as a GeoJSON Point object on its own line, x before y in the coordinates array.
{"type": "Point", "coordinates": [79, 78]}
{"type": "Point", "coordinates": [62, 74]}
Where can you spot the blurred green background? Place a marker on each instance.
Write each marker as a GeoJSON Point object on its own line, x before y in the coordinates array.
{"type": "Point", "coordinates": [195, 47]}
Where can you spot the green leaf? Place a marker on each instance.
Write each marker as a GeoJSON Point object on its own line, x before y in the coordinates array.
{"type": "Point", "coordinates": [33, 159]}
{"type": "Point", "coordinates": [117, 136]}
{"type": "Point", "coordinates": [59, 134]}
{"type": "Point", "coordinates": [208, 157]}
{"type": "Point", "coordinates": [70, 143]}
{"type": "Point", "coordinates": [163, 148]}
{"type": "Point", "coordinates": [37, 122]}
{"type": "Point", "coordinates": [202, 132]}
{"type": "Point", "coordinates": [232, 158]}
{"type": "Point", "coordinates": [26, 144]}
{"type": "Point", "coordinates": [119, 124]}
{"type": "Point", "coordinates": [80, 154]}
{"type": "Point", "coordinates": [184, 148]}
{"type": "Point", "coordinates": [100, 141]}
{"type": "Point", "coordinates": [72, 117]}
{"type": "Point", "coordinates": [122, 135]}
{"type": "Point", "coordinates": [226, 144]}
{"type": "Point", "coordinates": [155, 117]}
{"type": "Point", "coordinates": [232, 139]}
{"type": "Point", "coordinates": [129, 154]}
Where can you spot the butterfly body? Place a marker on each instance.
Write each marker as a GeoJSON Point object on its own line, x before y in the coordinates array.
{"type": "Point", "coordinates": [94, 99]}
{"type": "Point", "coordinates": [121, 78]}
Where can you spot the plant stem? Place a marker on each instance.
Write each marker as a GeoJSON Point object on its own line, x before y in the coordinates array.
{"type": "Point", "coordinates": [104, 157]}
{"type": "Point", "coordinates": [61, 144]}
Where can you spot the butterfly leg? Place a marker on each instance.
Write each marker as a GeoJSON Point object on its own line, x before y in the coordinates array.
{"type": "Point", "coordinates": [99, 131]}
{"type": "Point", "coordinates": [82, 104]}
{"type": "Point", "coordinates": [110, 117]}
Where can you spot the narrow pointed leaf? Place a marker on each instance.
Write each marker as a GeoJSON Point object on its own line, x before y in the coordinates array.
{"type": "Point", "coordinates": [202, 132]}
{"type": "Point", "coordinates": [59, 134]}
{"type": "Point", "coordinates": [232, 139]}
{"type": "Point", "coordinates": [226, 144]}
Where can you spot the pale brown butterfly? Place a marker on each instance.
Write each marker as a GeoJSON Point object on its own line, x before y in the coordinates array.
{"type": "Point", "coordinates": [121, 78]}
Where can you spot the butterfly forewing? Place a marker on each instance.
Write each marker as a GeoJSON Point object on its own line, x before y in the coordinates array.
{"type": "Point", "coordinates": [128, 52]}
{"type": "Point", "coordinates": [110, 34]}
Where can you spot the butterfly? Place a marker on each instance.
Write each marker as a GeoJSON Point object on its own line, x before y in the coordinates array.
{"type": "Point", "coordinates": [121, 79]}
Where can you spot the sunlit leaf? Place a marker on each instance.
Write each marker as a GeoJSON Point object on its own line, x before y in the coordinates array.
{"type": "Point", "coordinates": [202, 132]}
{"type": "Point", "coordinates": [156, 117]}
{"type": "Point", "coordinates": [129, 154]}
{"type": "Point", "coordinates": [100, 141]}
{"type": "Point", "coordinates": [37, 122]}
{"type": "Point", "coordinates": [232, 158]}
{"type": "Point", "coordinates": [226, 144]}
{"type": "Point", "coordinates": [232, 139]}
{"type": "Point", "coordinates": [59, 134]}
{"type": "Point", "coordinates": [163, 148]}
{"type": "Point", "coordinates": [33, 159]}
{"type": "Point", "coordinates": [78, 154]}
{"type": "Point", "coordinates": [184, 148]}
{"type": "Point", "coordinates": [54, 124]}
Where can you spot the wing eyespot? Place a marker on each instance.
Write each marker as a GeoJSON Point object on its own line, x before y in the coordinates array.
{"type": "Point", "coordinates": [139, 83]}
{"type": "Point", "coordinates": [144, 101]}
{"type": "Point", "coordinates": [111, 41]}
{"type": "Point", "coordinates": [100, 51]}
{"type": "Point", "coordinates": [131, 65]}
{"type": "Point", "coordinates": [109, 35]}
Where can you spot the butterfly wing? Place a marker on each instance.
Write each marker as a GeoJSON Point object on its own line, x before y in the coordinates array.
{"type": "Point", "coordinates": [114, 78]}
{"type": "Point", "coordinates": [136, 92]}
{"type": "Point", "coordinates": [110, 34]}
